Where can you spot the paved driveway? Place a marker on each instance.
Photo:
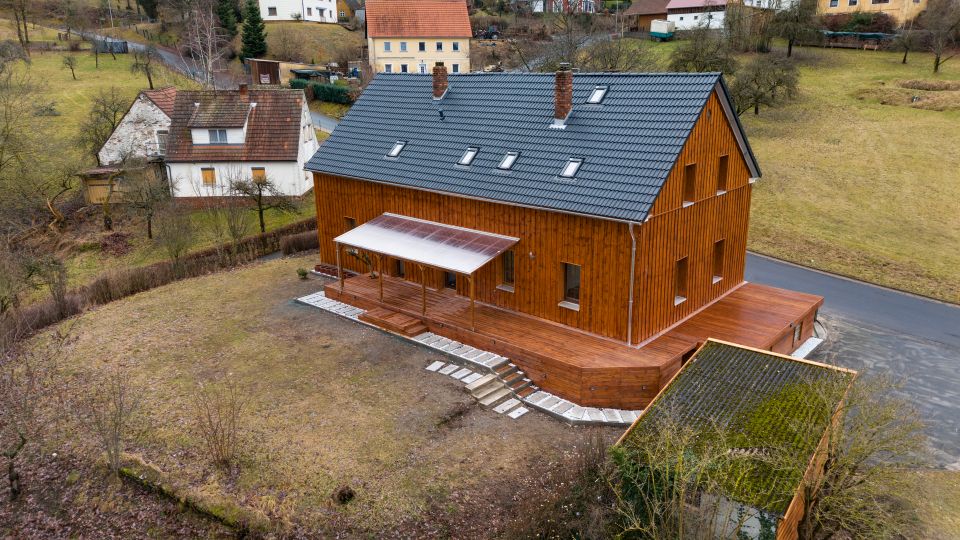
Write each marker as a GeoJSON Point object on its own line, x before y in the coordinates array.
{"type": "Point", "coordinates": [872, 328]}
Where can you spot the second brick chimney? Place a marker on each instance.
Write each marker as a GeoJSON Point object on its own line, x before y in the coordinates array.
{"type": "Point", "coordinates": [563, 96]}
{"type": "Point", "coordinates": [439, 80]}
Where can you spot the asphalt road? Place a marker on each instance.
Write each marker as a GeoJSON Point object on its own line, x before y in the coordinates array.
{"type": "Point", "coordinates": [905, 313]}
{"type": "Point", "coordinates": [877, 330]}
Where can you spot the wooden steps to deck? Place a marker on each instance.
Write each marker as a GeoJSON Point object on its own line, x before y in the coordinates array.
{"type": "Point", "coordinates": [394, 321]}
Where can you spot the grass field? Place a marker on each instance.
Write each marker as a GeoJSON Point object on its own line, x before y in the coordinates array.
{"type": "Point", "coordinates": [311, 43]}
{"type": "Point", "coordinates": [72, 98]}
{"type": "Point", "coordinates": [330, 403]}
{"type": "Point", "coordinates": [85, 261]}
{"type": "Point", "coordinates": [857, 187]}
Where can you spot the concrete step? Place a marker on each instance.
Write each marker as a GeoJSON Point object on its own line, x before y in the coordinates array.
{"type": "Point", "coordinates": [506, 405]}
{"type": "Point", "coordinates": [495, 396]}
{"type": "Point", "coordinates": [480, 382]}
{"type": "Point", "coordinates": [489, 388]}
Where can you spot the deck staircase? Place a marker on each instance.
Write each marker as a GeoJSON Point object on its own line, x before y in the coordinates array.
{"type": "Point", "coordinates": [393, 321]}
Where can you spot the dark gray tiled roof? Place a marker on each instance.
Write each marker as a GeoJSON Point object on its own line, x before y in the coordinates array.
{"type": "Point", "coordinates": [629, 143]}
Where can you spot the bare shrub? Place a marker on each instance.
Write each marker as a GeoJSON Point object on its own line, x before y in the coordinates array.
{"type": "Point", "coordinates": [932, 86]}
{"type": "Point", "coordinates": [219, 414]}
{"type": "Point", "coordinates": [573, 500]}
{"type": "Point", "coordinates": [175, 232]}
{"type": "Point", "coordinates": [304, 241]}
{"type": "Point", "coordinates": [106, 407]}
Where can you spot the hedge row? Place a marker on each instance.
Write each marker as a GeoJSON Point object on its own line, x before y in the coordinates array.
{"type": "Point", "coordinates": [333, 93]}
{"type": "Point", "coordinates": [116, 284]}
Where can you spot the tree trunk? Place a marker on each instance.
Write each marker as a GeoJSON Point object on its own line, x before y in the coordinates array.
{"type": "Point", "coordinates": [756, 108]}
{"type": "Point", "coordinates": [905, 52]}
{"type": "Point", "coordinates": [149, 78]}
{"type": "Point", "coordinates": [789, 48]}
{"type": "Point", "coordinates": [263, 226]}
{"type": "Point", "coordinates": [936, 63]}
{"type": "Point", "coordinates": [150, 227]}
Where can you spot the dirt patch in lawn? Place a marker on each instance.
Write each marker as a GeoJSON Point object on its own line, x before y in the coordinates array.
{"type": "Point", "coordinates": [331, 404]}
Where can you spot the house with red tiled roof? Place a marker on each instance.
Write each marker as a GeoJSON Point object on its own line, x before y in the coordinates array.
{"type": "Point", "coordinates": [411, 37]}
{"type": "Point", "coordinates": [223, 136]}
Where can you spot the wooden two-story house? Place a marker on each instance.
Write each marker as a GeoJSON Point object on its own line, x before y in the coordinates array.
{"type": "Point", "coordinates": [590, 227]}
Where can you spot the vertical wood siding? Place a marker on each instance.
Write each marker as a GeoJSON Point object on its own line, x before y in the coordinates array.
{"type": "Point", "coordinates": [600, 247]}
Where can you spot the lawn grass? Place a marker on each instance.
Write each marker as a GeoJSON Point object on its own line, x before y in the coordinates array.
{"type": "Point", "coordinates": [857, 187]}
{"type": "Point", "coordinates": [309, 42]}
{"type": "Point", "coordinates": [73, 98]}
{"type": "Point", "coordinates": [333, 110]}
{"type": "Point", "coordinates": [87, 261]}
{"type": "Point", "coordinates": [330, 403]}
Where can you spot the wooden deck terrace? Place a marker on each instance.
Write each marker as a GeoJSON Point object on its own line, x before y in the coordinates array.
{"type": "Point", "coordinates": [588, 369]}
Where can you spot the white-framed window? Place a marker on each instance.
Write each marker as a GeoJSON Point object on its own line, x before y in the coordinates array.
{"type": "Point", "coordinates": [343, 15]}
{"type": "Point", "coordinates": [834, 3]}
{"type": "Point", "coordinates": [571, 167]}
{"type": "Point", "coordinates": [597, 95]}
{"type": "Point", "coordinates": [508, 160]}
{"type": "Point", "coordinates": [456, 68]}
{"type": "Point", "coordinates": [271, 12]}
{"type": "Point", "coordinates": [456, 45]}
{"type": "Point", "coordinates": [439, 46]}
{"type": "Point", "coordinates": [403, 46]}
{"type": "Point", "coordinates": [468, 155]}
{"type": "Point", "coordinates": [217, 136]}
{"type": "Point", "coordinates": [388, 68]}
{"type": "Point", "coordinates": [386, 46]}
{"type": "Point", "coordinates": [162, 141]}
{"type": "Point", "coordinates": [423, 68]}
{"type": "Point", "coordinates": [397, 148]}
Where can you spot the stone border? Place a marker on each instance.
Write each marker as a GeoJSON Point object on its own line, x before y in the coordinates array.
{"type": "Point", "coordinates": [481, 360]}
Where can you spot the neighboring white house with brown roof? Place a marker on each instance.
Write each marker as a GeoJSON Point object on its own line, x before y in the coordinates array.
{"type": "Point", "coordinates": [219, 137]}
{"type": "Point", "coordinates": [142, 133]}
{"type": "Point", "coordinates": [324, 11]}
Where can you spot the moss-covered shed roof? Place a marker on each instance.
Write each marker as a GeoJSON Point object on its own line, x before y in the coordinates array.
{"type": "Point", "coordinates": [763, 403]}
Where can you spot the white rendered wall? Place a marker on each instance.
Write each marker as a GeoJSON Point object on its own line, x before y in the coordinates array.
{"type": "Point", "coordinates": [186, 179]}
{"type": "Point", "coordinates": [309, 10]}
{"type": "Point", "coordinates": [689, 21]}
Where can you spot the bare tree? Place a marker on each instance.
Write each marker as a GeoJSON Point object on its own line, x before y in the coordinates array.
{"type": "Point", "coordinates": [613, 54]}
{"type": "Point", "coordinates": [572, 32]}
{"type": "Point", "coordinates": [106, 407]}
{"type": "Point", "coordinates": [205, 42]}
{"type": "Point", "coordinates": [877, 435]}
{"type": "Point", "coordinates": [175, 232]}
{"type": "Point", "coordinates": [219, 411]}
{"type": "Point", "coordinates": [942, 23]}
{"type": "Point", "coordinates": [70, 62]}
{"type": "Point", "coordinates": [265, 195]}
{"type": "Point", "coordinates": [19, 8]}
{"type": "Point", "coordinates": [145, 63]}
{"type": "Point", "coordinates": [147, 194]}
{"type": "Point", "coordinates": [797, 22]}
{"type": "Point", "coordinates": [32, 398]}
{"type": "Point", "coordinates": [703, 50]}
{"type": "Point", "coordinates": [106, 112]}
{"type": "Point", "coordinates": [766, 80]}
{"type": "Point", "coordinates": [908, 40]}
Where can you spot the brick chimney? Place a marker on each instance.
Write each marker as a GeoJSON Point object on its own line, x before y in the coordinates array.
{"type": "Point", "coordinates": [563, 95]}
{"type": "Point", "coordinates": [439, 80]}
{"type": "Point", "coordinates": [243, 89]}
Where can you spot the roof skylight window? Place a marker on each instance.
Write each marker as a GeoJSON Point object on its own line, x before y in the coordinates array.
{"type": "Point", "coordinates": [571, 168]}
{"type": "Point", "coordinates": [467, 157]}
{"type": "Point", "coordinates": [597, 95]}
{"type": "Point", "coordinates": [508, 160]}
{"type": "Point", "coordinates": [397, 148]}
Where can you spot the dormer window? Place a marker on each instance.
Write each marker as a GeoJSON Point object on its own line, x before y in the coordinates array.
{"type": "Point", "coordinates": [467, 157]}
{"type": "Point", "coordinates": [571, 168]}
{"type": "Point", "coordinates": [397, 148]}
{"type": "Point", "coordinates": [508, 160]}
{"type": "Point", "coordinates": [597, 95]}
{"type": "Point", "coordinates": [217, 136]}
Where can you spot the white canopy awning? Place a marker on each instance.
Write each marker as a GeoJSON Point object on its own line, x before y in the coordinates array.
{"type": "Point", "coordinates": [437, 245]}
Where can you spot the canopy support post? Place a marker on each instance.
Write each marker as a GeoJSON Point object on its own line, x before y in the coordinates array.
{"type": "Point", "coordinates": [473, 302]}
{"type": "Point", "coordinates": [423, 284]}
{"type": "Point", "coordinates": [380, 274]}
{"type": "Point", "coordinates": [339, 268]}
